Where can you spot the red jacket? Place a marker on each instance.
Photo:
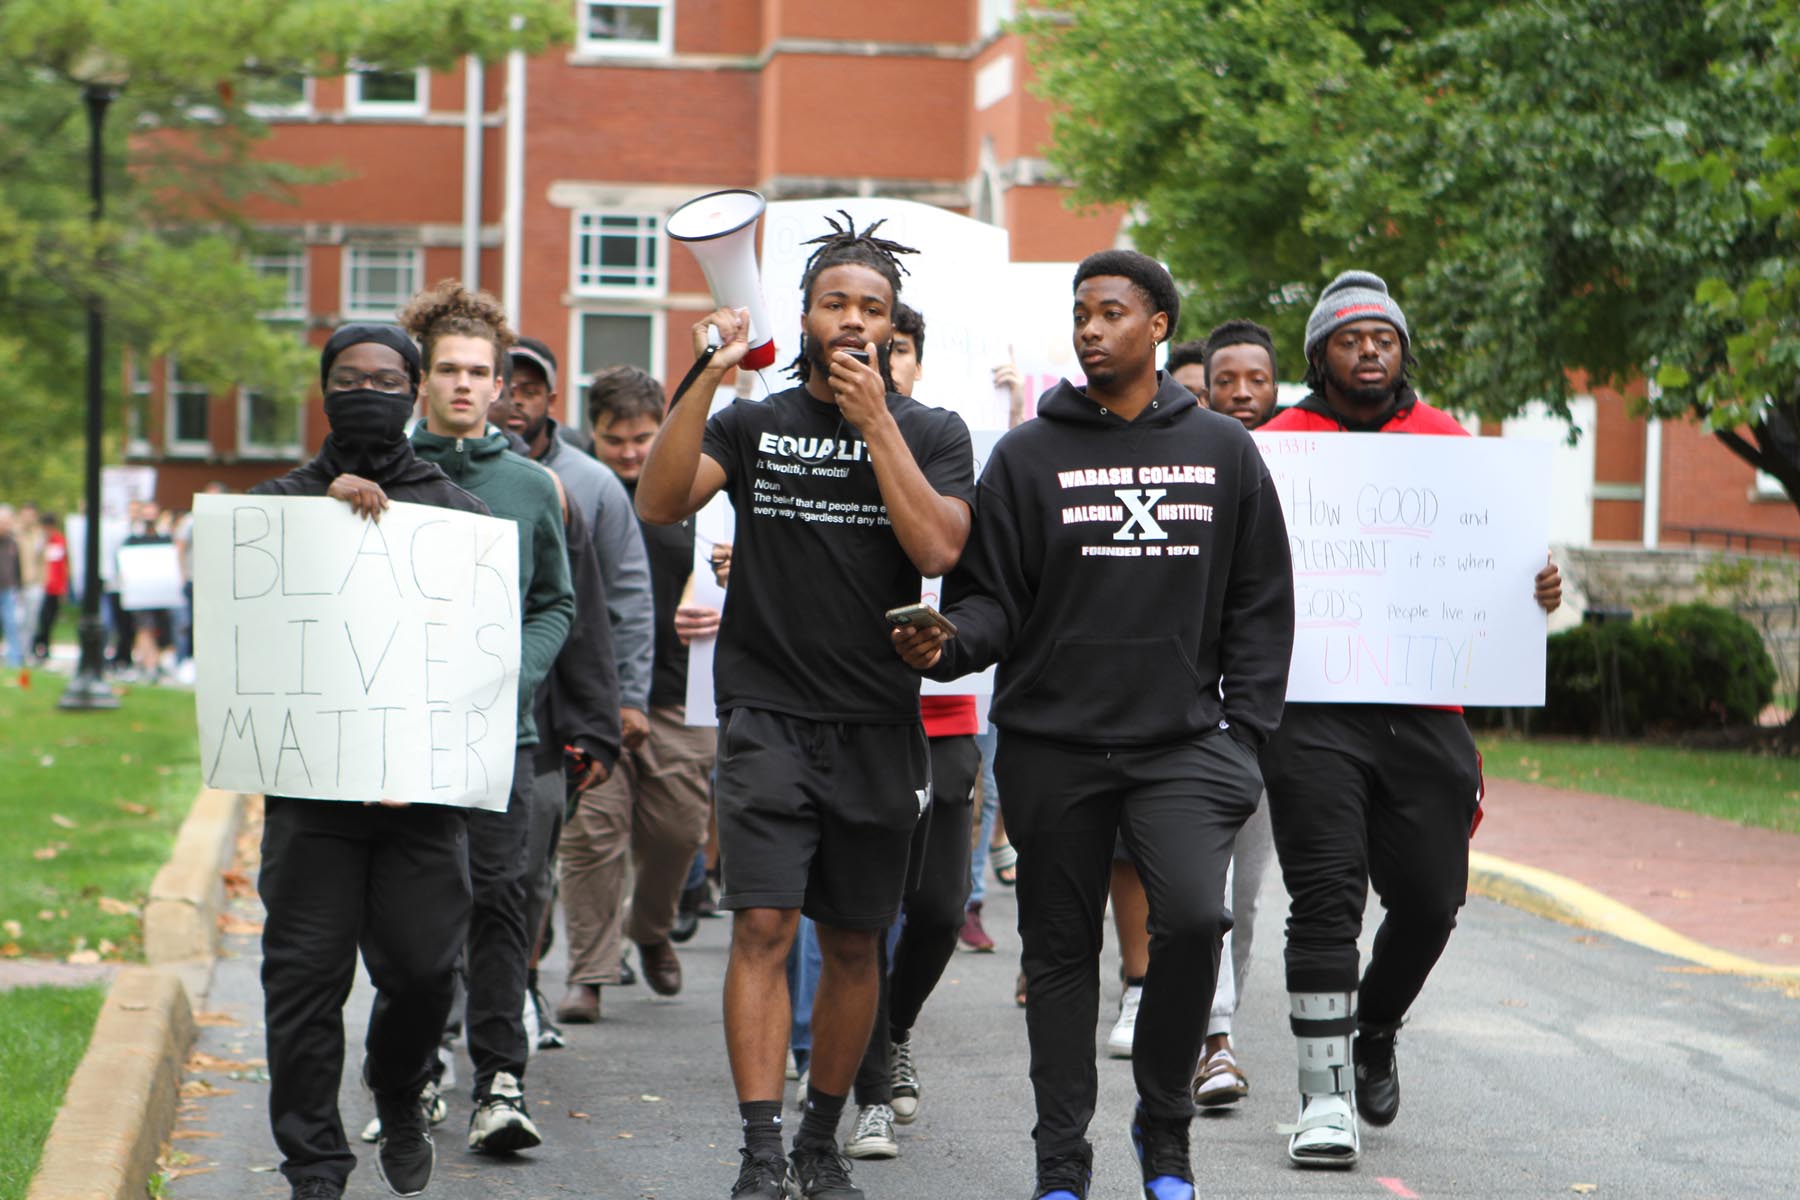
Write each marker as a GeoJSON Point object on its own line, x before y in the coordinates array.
{"type": "Point", "coordinates": [56, 564]}
{"type": "Point", "coordinates": [1312, 415]}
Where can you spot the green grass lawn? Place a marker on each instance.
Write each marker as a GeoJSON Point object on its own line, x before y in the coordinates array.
{"type": "Point", "coordinates": [1748, 788]}
{"type": "Point", "coordinates": [44, 1032]}
{"type": "Point", "coordinates": [90, 802]}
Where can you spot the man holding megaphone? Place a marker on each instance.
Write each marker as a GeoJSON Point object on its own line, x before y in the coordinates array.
{"type": "Point", "coordinates": [846, 493]}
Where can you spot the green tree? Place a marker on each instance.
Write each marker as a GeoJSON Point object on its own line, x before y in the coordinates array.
{"type": "Point", "coordinates": [1527, 177]}
{"type": "Point", "coordinates": [170, 262]}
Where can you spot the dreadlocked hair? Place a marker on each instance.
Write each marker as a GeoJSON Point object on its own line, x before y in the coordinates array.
{"type": "Point", "coordinates": [451, 310]}
{"type": "Point", "coordinates": [844, 246]}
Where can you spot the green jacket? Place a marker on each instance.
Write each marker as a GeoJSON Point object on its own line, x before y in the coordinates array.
{"type": "Point", "coordinates": [518, 488]}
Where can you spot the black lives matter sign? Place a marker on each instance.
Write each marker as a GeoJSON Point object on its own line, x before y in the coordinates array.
{"type": "Point", "coordinates": [347, 659]}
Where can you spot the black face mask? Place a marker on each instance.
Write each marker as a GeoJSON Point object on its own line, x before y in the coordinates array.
{"type": "Point", "coordinates": [368, 428]}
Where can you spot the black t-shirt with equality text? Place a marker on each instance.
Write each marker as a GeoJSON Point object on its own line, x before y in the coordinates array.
{"type": "Point", "coordinates": [815, 562]}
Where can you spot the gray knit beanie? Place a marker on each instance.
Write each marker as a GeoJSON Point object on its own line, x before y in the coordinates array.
{"type": "Point", "coordinates": [1353, 296]}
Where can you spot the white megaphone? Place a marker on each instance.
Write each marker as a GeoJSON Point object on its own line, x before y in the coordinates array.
{"type": "Point", "coordinates": [720, 229]}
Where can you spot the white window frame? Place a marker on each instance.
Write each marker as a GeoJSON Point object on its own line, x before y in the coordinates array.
{"type": "Point", "coordinates": [1766, 487]}
{"type": "Point", "coordinates": [662, 47]}
{"type": "Point", "coordinates": [267, 264]}
{"type": "Point", "coordinates": [655, 288]}
{"type": "Point", "coordinates": [574, 389]}
{"type": "Point", "coordinates": [356, 106]}
{"type": "Point", "coordinates": [174, 447]}
{"type": "Point", "coordinates": [137, 442]}
{"type": "Point", "coordinates": [347, 300]}
{"type": "Point", "coordinates": [302, 109]}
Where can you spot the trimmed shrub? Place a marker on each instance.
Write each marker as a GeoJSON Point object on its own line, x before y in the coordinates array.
{"type": "Point", "coordinates": [1692, 666]}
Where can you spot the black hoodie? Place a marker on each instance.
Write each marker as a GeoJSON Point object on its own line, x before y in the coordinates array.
{"type": "Point", "coordinates": [1130, 577]}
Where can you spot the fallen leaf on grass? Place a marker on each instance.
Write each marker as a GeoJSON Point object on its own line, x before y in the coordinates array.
{"type": "Point", "coordinates": [46, 914]}
{"type": "Point", "coordinates": [118, 908]}
{"type": "Point", "coordinates": [13, 928]}
{"type": "Point", "coordinates": [106, 948]}
{"type": "Point", "coordinates": [49, 760]}
{"type": "Point", "coordinates": [135, 809]}
{"type": "Point", "coordinates": [46, 853]}
{"type": "Point", "coordinates": [63, 822]}
{"type": "Point", "coordinates": [84, 958]}
{"type": "Point", "coordinates": [10, 950]}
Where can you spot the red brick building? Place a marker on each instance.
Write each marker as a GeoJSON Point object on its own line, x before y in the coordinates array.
{"type": "Point", "coordinates": [546, 180]}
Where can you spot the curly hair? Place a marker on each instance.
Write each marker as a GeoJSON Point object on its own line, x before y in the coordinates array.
{"type": "Point", "coordinates": [844, 246]}
{"type": "Point", "coordinates": [449, 309]}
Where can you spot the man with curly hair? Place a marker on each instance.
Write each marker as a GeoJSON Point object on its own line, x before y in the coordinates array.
{"type": "Point", "coordinates": [463, 336]}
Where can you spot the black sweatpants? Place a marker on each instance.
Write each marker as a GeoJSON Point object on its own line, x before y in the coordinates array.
{"type": "Point", "coordinates": [1178, 807]}
{"type": "Point", "coordinates": [932, 911]}
{"type": "Point", "coordinates": [1361, 794]}
{"type": "Point", "coordinates": [337, 877]}
{"type": "Point", "coordinates": [499, 943]}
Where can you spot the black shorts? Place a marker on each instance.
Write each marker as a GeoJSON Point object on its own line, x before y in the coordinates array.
{"type": "Point", "coordinates": [818, 815]}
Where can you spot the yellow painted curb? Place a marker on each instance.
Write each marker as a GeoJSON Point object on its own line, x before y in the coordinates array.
{"type": "Point", "coordinates": [121, 1102]}
{"type": "Point", "coordinates": [1559, 898]}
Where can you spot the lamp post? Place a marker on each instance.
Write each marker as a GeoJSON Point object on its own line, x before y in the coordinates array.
{"type": "Point", "coordinates": [89, 689]}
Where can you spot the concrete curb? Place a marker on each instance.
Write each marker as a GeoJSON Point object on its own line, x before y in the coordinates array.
{"type": "Point", "coordinates": [1559, 898]}
{"type": "Point", "coordinates": [121, 1103]}
{"type": "Point", "coordinates": [181, 918]}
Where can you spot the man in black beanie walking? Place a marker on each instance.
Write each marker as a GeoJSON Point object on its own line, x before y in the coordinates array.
{"type": "Point", "coordinates": [390, 881]}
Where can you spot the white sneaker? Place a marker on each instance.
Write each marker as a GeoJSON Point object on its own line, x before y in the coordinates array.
{"type": "Point", "coordinates": [530, 1016]}
{"type": "Point", "coordinates": [874, 1135]}
{"type": "Point", "coordinates": [903, 1082]}
{"type": "Point", "coordinates": [499, 1124]}
{"type": "Point", "coordinates": [1118, 1042]}
{"type": "Point", "coordinates": [431, 1100]}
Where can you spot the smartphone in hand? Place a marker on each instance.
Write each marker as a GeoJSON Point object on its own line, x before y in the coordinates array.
{"type": "Point", "coordinates": [918, 615]}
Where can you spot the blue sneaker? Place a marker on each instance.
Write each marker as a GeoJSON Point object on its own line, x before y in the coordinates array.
{"type": "Point", "coordinates": [1161, 1144]}
{"type": "Point", "coordinates": [1064, 1177]}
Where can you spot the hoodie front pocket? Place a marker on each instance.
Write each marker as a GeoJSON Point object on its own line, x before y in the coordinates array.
{"type": "Point", "coordinates": [1136, 688]}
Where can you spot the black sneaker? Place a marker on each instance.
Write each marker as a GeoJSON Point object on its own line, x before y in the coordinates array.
{"type": "Point", "coordinates": [1064, 1177]}
{"type": "Point", "coordinates": [1161, 1144]}
{"type": "Point", "coordinates": [314, 1188]}
{"type": "Point", "coordinates": [823, 1174]}
{"type": "Point", "coordinates": [404, 1153]}
{"type": "Point", "coordinates": [763, 1178]}
{"type": "Point", "coordinates": [1377, 1075]}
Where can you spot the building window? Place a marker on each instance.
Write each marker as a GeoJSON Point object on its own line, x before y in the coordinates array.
{"type": "Point", "coordinates": [283, 95]}
{"type": "Point", "coordinates": [379, 280]}
{"type": "Point", "coordinates": [137, 409]}
{"type": "Point", "coordinates": [185, 426]}
{"type": "Point", "coordinates": [269, 424]}
{"type": "Point", "coordinates": [373, 93]}
{"type": "Point", "coordinates": [604, 339]}
{"type": "Point", "coordinates": [994, 14]}
{"type": "Point", "coordinates": [618, 254]}
{"type": "Point", "coordinates": [637, 27]}
{"type": "Point", "coordinates": [1767, 487]}
{"type": "Point", "coordinates": [287, 272]}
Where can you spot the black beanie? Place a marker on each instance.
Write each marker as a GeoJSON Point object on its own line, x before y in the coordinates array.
{"type": "Point", "coordinates": [346, 336]}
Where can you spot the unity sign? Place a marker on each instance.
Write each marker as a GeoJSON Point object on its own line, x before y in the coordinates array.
{"type": "Point", "coordinates": [347, 659]}
{"type": "Point", "coordinates": [1413, 565]}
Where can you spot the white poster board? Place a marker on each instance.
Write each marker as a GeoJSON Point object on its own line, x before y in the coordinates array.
{"type": "Point", "coordinates": [1413, 566]}
{"type": "Point", "coordinates": [953, 281]}
{"type": "Point", "coordinates": [122, 486]}
{"type": "Point", "coordinates": [150, 577]}
{"type": "Point", "coordinates": [344, 659]}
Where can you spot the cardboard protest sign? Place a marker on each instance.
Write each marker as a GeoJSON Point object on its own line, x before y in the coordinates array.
{"type": "Point", "coordinates": [1413, 565]}
{"type": "Point", "coordinates": [150, 577]}
{"type": "Point", "coordinates": [345, 659]}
